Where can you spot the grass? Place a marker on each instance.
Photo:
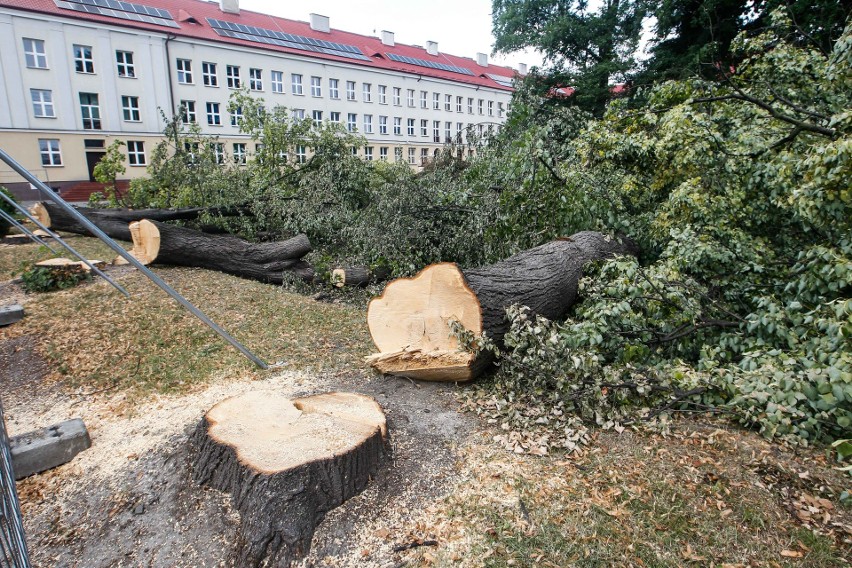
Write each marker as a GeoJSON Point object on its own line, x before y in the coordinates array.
{"type": "Point", "coordinates": [14, 258]}
{"type": "Point", "coordinates": [96, 339]}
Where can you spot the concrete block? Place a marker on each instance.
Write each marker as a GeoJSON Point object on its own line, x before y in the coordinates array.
{"type": "Point", "coordinates": [38, 451]}
{"type": "Point", "coordinates": [10, 314]}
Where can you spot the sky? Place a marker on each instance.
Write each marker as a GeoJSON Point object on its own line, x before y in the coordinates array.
{"type": "Point", "coordinates": [461, 27]}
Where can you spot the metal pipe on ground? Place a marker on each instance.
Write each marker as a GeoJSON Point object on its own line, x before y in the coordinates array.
{"type": "Point", "coordinates": [14, 222]}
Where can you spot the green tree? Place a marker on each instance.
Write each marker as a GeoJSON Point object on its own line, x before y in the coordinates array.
{"type": "Point", "coordinates": [586, 49]}
{"type": "Point", "coordinates": [107, 170]}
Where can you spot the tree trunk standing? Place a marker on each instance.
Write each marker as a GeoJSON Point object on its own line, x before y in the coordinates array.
{"type": "Point", "coordinates": [409, 322]}
{"type": "Point", "coordinates": [155, 242]}
{"type": "Point", "coordinates": [287, 463]}
{"type": "Point", "coordinates": [114, 222]}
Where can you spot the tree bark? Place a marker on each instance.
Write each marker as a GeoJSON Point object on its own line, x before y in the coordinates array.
{"type": "Point", "coordinates": [286, 464]}
{"type": "Point", "coordinates": [409, 322]}
{"type": "Point", "coordinates": [114, 222]}
{"type": "Point", "coordinates": [155, 242]}
{"type": "Point", "coordinates": [358, 276]}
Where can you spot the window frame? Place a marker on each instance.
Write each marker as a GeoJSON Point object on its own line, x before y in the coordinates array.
{"type": "Point", "coordinates": [213, 110]}
{"type": "Point", "coordinates": [135, 149]}
{"type": "Point", "coordinates": [83, 64]}
{"type": "Point", "coordinates": [94, 111]}
{"type": "Point", "coordinates": [124, 65]}
{"type": "Point", "coordinates": [130, 108]}
{"type": "Point", "coordinates": [209, 74]}
{"type": "Point", "coordinates": [296, 86]}
{"type": "Point", "coordinates": [190, 116]}
{"type": "Point", "coordinates": [42, 104]}
{"type": "Point", "coordinates": [48, 151]}
{"type": "Point", "coordinates": [316, 86]}
{"type": "Point", "coordinates": [276, 81]}
{"type": "Point", "coordinates": [38, 55]}
{"type": "Point", "coordinates": [233, 80]}
{"type": "Point", "coordinates": [383, 124]}
{"type": "Point", "coordinates": [255, 79]}
{"type": "Point", "coordinates": [333, 88]}
{"type": "Point", "coordinates": [367, 92]}
{"type": "Point", "coordinates": [184, 71]}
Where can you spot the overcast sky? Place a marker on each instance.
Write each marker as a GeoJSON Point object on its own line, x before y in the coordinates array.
{"type": "Point", "coordinates": [461, 27]}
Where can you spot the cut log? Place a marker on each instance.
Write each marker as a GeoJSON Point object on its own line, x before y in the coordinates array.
{"type": "Point", "coordinates": [410, 321]}
{"type": "Point", "coordinates": [358, 276]}
{"type": "Point", "coordinates": [286, 463]}
{"type": "Point", "coordinates": [66, 264]}
{"type": "Point", "coordinates": [114, 222]}
{"type": "Point", "coordinates": [155, 242]}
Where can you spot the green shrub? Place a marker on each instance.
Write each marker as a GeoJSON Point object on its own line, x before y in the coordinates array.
{"type": "Point", "coordinates": [41, 279]}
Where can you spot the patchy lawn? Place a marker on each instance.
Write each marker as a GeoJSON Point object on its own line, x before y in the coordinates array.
{"type": "Point", "coordinates": [141, 371]}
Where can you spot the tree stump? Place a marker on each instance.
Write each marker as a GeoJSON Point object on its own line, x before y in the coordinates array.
{"type": "Point", "coordinates": [286, 463]}
{"type": "Point", "coordinates": [410, 321]}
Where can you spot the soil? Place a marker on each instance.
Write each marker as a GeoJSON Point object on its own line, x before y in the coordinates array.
{"type": "Point", "coordinates": [129, 499]}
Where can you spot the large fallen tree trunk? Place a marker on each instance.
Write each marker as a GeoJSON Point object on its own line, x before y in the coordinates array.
{"type": "Point", "coordinates": [114, 222]}
{"type": "Point", "coordinates": [286, 463]}
{"type": "Point", "coordinates": [410, 321]}
{"type": "Point", "coordinates": [155, 242]}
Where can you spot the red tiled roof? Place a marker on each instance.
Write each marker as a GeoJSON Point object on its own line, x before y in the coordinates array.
{"type": "Point", "coordinates": [201, 10]}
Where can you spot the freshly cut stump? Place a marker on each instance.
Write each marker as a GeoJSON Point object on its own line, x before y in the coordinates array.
{"type": "Point", "coordinates": [409, 322]}
{"type": "Point", "coordinates": [286, 463]}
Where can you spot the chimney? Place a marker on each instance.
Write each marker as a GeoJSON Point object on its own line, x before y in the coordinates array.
{"type": "Point", "coordinates": [230, 6]}
{"type": "Point", "coordinates": [387, 38]}
{"type": "Point", "coordinates": [320, 23]}
{"type": "Point", "coordinates": [522, 68]}
{"type": "Point", "coordinates": [432, 47]}
{"type": "Point", "coordinates": [482, 59]}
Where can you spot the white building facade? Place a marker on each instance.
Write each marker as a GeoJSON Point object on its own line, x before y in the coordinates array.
{"type": "Point", "coordinates": [78, 75]}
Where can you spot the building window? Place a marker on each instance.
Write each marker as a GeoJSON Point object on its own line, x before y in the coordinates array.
{"type": "Point", "coordinates": [130, 108]}
{"type": "Point", "coordinates": [90, 111]}
{"type": "Point", "coordinates": [239, 153]}
{"type": "Point", "coordinates": [135, 153]}
{"type": "Point", "coordinates": [317, 116]}
{"type": "Point", "coordinates": [124, 64]}
{"type": "Point", "coordinates": [301, 154]}
{"type": "Point", "coordinates": [383, 153]}
{"type": "Point", "coordinates": [397, 96]}
{"type": "Point", "coordinates": [436, 101]}
{"type": "Point", "coordinates": [42, 103]}
{"type": "Point", "coordinates": [188, 111]}
{"type": "Point", "coordinates": [354, 150]}
{"type": "Point", "coordinates": [277, 79]}
{"type": "Point", "coordinates": [501, 110]}
{"type": "Point", "coordinates": [424, 156]}
{"type": "Point", "coordinates": [459, 128]}
{"type": "Point", "coordinates": [397, 125]}
{"type": "Point", "coordinates": [368, 95]}
{"type": "Point", "coordinates": [459, 103]}
{"type": "Point", "coordinates": [296, 83]}
{"type": "Point", "coordinates": [410, 98]}
{"type": "Point", "coordinates": [334, 88]}
{"type": "Point", "coordinates": [214, 118]}
{"type": "Point", "coordinates": [368, 124]}
{"type": "Point", "coordinates": [412, 156]}
{"type": "Point", "coordinates": [236, 115]}
{"type": "Point", "coordinates": [232, 76]}
{"type": "Point", "coordinates": [480, 105]}
{"type": "Point", "coordinates": [424, 95]}
{"type": "Point", "coordinates": [316, 86]}
{"type": "Point", "coordinates": [383, 95]}
{"type": "Point", "coordinates": [411, 127]}
{"type": "Point", "coordinates": [424, 128]}
{"type": "Point", "coordinates": [208, 74]}
{"type": "Point", "coordinates": [436, 131]}
{"type": "Point", "coordinates": [470, 106]}
{"type": "Point", "coordinates": [334, 117]}
{"type": "Point", "coordinates": [383, 125]}
{"type": "Point", "coordinates": [256, 79]}
{"type": "Point", "coordinates": [34, 53]}
{"type": "Point", "coordinates": [350, 90]}
{"type": "Point", "coordinates": [448, 132]}
{"type": "Point", "coordinates": [397, 154]}
{"type": "Point", "coordinates": [351, 122]}
{"type": "Point", "coordinates": [448, 103]}
{"type": "Point", "coordinates": [218, 150]}
{"type": "Point", "coordinates": [83, 60]}
{"type": "Point", "coordinates": [368, 153]}
{"type": "Point", "coordinates": [298, 114]}
{"type": "Point", "coordinates": [184, 71]}
{"type": "Point", "coordinates": [50, 154]}
{"type": "Point", "coordinates": [490, 108]}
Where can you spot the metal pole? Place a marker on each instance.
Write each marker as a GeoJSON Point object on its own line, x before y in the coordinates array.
{"type": "Point", "coordinates": [25, 231]}
{"type": "Point", "coordinates": [59, 240]}
{"type": "Point", "coordinates": [130, 258]}
{"type": "Point", "coordinates": [13, 544]}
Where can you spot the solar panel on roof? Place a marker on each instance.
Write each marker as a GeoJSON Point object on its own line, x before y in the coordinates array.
{"type": "Point", "coordinates": [272, 37]}
{"type": "Point", "coordinates": [501, 79]}
{"type": "Point", "coordinates": [430, 64]}
{"type": "Point", "coordinates": [121, 10]}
